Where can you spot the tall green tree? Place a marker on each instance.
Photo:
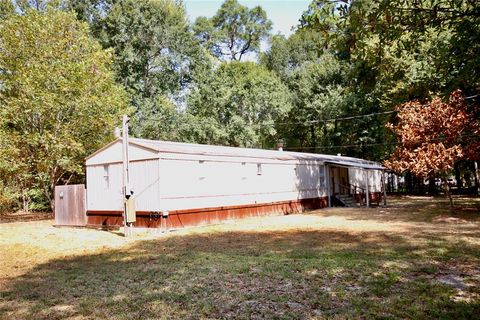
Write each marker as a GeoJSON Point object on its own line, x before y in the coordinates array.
{"type": "Point", "coordinates": [285, 55]}
{"type": "Point", "coordinates": [58, 102]}
{"type": "Point", "coordinates": [243, 101]}
{"type": "Point", "coordinates": [156, 56]}
{"type": "Point", "coordinates": [233, 31]}
{"type": "Point", "coordinates": [7, 8]}
{"type": "Point", "coordinates": [92, 12]}
{"type": "Point", "coordinates": [372, 32]}
{"type": "Point", "coordinates": [319, 84]}
{"type": "Point", "coordinates": [323, 89]}
{"type": "Point", "coordinates": [398, 51]}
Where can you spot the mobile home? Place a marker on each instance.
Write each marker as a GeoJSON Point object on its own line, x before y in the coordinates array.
{"type": "Point", "coordinates": [180, 184]}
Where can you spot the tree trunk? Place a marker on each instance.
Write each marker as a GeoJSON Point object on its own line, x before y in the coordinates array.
{"type": "Point", "coordinates": [421, 185]}
{"type": "Point", "coordinates": [408, 183]}
{"type": "Point", "coordinates": [447, 191]}
{"type": "Point", "coordinates": [336, 141]}
{"type": "Point", "coordinates": [432, 187]}
{"type": "Point", "coordinates": [49, 189]}
{"type": "Point", "coordinates": [477, 177]}
{"type": "Point", "coordinates": [51, 200]}
{"type": "Point", "coordinates": [26, 202]}
{"type": "Point", "coordinates": [458, 177]}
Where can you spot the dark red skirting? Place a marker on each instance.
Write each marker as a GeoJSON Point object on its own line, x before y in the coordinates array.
{"type": "Point", "coordinates": [203, 216]}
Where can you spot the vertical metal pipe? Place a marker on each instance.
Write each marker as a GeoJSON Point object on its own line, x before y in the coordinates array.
{"type": "Point", "coordinates": [125, 187]}
{"type": "Point", "coordinates": [384, 189]}
{"type": "Point", "coordinates": [366, 188]}
{"type": "Point", "coordinates": [327, 178]}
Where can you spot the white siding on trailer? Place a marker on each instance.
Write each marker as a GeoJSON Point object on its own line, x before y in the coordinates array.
{"type": "Point", "coordinates": [113, 153]}
{"type": "Point", "coordinates": [310, 179]}
{"type": "Point", "coordinates": [188, 184]}
{"type": "Point", "coordinates": [100, 194]}
{"type": "Point", "coordinates": [375, 178]}
{"type": "Point", "coordinates": [109, 196]}
{"type": "Point", "coordinates": [144, 180]}
{"type": "Point", "coordinates": [357, 177]}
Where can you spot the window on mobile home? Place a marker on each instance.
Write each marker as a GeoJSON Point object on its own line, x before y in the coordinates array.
{"type": "Point", "coordinates": [106, 176]}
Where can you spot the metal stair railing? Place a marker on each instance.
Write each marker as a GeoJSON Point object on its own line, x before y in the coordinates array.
{"type": "Point", "coordinates": [353, 190]}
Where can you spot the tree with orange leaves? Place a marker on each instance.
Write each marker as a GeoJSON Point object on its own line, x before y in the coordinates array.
{"type": "Point", "coordinates": [433, 135]}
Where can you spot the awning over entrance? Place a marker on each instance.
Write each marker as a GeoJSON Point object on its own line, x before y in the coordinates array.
{"type": "Point", "coordinates": [338, 183]}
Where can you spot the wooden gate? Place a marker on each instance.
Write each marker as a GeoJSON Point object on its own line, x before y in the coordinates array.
{"type": "Point", "coordinates": [70, 205]}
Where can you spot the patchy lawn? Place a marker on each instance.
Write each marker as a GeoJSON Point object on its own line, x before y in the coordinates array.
{"type": "Point", "coordinates": [413, 259]}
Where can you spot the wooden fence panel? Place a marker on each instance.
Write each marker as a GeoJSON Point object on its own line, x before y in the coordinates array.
{"type": "Point", "coordinates": [70, 205]}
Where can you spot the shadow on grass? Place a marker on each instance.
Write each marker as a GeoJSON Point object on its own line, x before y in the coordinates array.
{"type": "Point", "coordinates": [297, 274]}
{"type": "Point", "coordinates": [416, 209]}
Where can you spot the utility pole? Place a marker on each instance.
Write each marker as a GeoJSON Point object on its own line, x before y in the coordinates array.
{"type": "Point", "coordinates": [126, 179]}
{"type": "Point", "coordinates": [384, 187]}
{"type": "Point", "coordinates": [366, 189]}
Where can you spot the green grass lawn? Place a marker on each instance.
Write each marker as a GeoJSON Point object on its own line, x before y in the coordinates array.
{"type": "Point", "coordinates": [414, 259]}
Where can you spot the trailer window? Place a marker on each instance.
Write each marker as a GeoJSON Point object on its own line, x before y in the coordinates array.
{"type": "Point", "coordinates": [203, 170]}
{"type": "Point", "coordinates": [106, 176]}
{"type": "Point", "coordinates": [244, 171]}
{"type": "Point", "coordinates": [321, 173]}
{"type": "Point", "coordinates": [259, 169]}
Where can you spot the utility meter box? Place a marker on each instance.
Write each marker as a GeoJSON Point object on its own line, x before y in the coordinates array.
{"type": "Point", "coordinates": [130, 213]}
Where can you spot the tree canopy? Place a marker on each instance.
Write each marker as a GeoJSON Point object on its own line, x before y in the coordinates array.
{"type": "Point", "coordinates": [434, 135]}
{"type": "Point", "coordinates": [245, 101]}
{"type": "Point", "coordinates": [156, 55]}
{"type": "Point", "coordinates": [59, 101]}
{"type": "Point", "coordinates": [233, 31]}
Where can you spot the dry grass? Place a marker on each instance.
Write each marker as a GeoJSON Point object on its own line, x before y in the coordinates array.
{"type": "Point", "coordinates": [413, 259]}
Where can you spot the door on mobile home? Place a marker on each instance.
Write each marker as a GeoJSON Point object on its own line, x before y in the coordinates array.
{"type": "Point", "coordinates": [339, 180]}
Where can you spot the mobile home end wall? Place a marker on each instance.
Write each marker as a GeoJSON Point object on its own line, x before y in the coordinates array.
{"type": "Point", "coordinates": [105, 176]}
